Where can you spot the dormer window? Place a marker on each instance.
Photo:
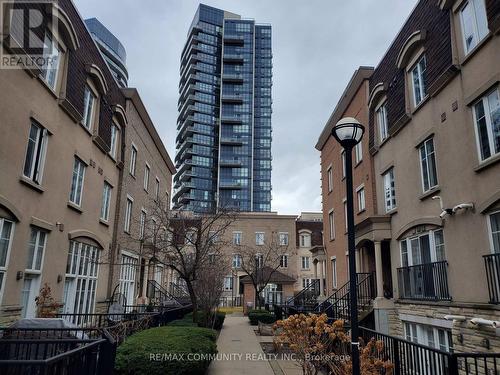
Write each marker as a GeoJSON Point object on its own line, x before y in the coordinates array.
{"type": "Point", "coordinates": [474, 23]}
{"type": "Point", "coordinates": [418, 78]}
{"type": "Point", "coordinates": [381, 114]}
{"type": "Point", "coordinates": [51, 61]}
{"type": "Point", "coordinates": [89, 103]}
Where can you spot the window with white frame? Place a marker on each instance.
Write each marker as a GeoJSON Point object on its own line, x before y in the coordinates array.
{"type": "Point", "coordinates": [228, 283]}
{"type": "Point", "coordinates": [236, 260]}
{"type": "Point", "coordinates": [306, 282]}
{"type": "Point", "coordinates": [81, 279]}
{"type": "Point", "coordinates": [51, 61]}
{"type": "Point", "coordinates": [428, 164]}
{"type": "Point", "coordinates": [76, 192]}
{"type": "Point", "coordinates": [128, 214]}
{"type": "Point", "coordinates": [334, 273]}
{"type": "Point", "coordinates": [237, 238]}
{"type": "Point", "coordinates": [330, 179]}
{"type": "Point", "coordinates": [147, 169]}
{"type": "Point", "coordinates": [133, 160]}
{"type": "Point", "coordinates": [342, 156]}
{"type": "Point", "coordinates": [345, 213]}
{"type": "Point", "coordinates": [284, 261]}
{"type": "Point", "coordinates": [283, 238]}
{"type": "Point", "coordinates": [6, 233]}
{"type": "Point", "coordinates": [128, 271]}
{"type": "Point", "coordinates": [142, 223]}
{"type": "Point", "coordinates": [106, 201]}
{"type": "Point", "coordinates": [423, 334]}
{"type": "Point", "coordinates": [474, 23]}
{"type": "Point", "coordinates": [306, 263]}
{"type": "Point", "coordinates": [360, 192]}
{"type": "Point", "coordinates": [35, 153]}
{"type": "Point", "coordinates": [304, 240]}
{"type": "Point", "coordinates": [36, 249]}
{"type": "Point", "coordinates": [424, 248]}
{"type": "Point", "coordinates": [331, 225]}
{"type": "Point", "coordinates": [89, 103]}
{"type": "Point", "coordinates": [115, 137]}
{"type": "Point", "coordinates": [157, 188]}
{"type": "Point", "coordinates": [389, 190]}
{"type": "Point", "coordinates": [418, 76]}
{"type": "Point", "coordinates": [259, 260]}
{"type": "Point", "coordinates": [487, 124]}
{"type": "Point", "coordinates": [381, 114]}
{"type": "Point", "coordinates": [494, 227]}
{"type": "Point", "coordinates": [358, 152]}
{"type": "Point", "coordinates": [259, 238]}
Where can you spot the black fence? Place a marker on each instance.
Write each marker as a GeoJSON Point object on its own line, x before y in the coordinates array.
{"type": "Point", "coordinates": [412, 358]}
{"type": "Point", "coordinates": [492, 265]}
{"type": "Point", "coordinates": [427, 281]}
{"type": "Point", "coordinates": [235, 301]}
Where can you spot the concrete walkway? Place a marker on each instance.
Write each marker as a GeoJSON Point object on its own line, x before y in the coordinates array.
{"type": "Point", "coordinates": [241, 349]}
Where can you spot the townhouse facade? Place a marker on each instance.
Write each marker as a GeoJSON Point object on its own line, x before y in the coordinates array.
{"type": "Point", "coordinates": [62, 158]}
{"type": "Point", "coordinates": [433, 119]}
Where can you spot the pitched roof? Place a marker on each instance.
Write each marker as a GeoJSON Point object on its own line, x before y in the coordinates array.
{"type": "Point", "coordinates": [273, 275]}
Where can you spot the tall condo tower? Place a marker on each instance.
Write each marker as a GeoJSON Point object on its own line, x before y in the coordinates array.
{"type": "Point", "coordinates": [223, 144]}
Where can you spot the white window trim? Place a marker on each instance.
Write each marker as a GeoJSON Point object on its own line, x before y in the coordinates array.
{"type": "Point", "coordinates": [106, 208]}
{"type": "Point", "coordinates": [114, 146]}
{"type": "Point", "coordinates": [490, 229]}
{"type": "Point", "coordinates": [133, 160]}
{"type": "Point", "coordinates": [157, 187]}
{"type": "Point", "coordinates": [489, 126]}
{"type": "Point", "coordinates": [286, 236]}
{"type": "Point", "coordinates": [284, 257]}
{"type": "Point", "coordinates": [385, 126]}
{"type": "Point", "coordinates": [416, 65]}
{"type": "Point", "coordinates": [424, 145]}
{"type": "Point", "coordinates": [334, 272]}
{"type": "Point", "coordinates": [37, 176]}
{"type": "Point", "coordinates": [142, 224]}
{"type": "Point", "coordinates": [385, 175]}
{"type": "Point", "coordinates": [263, 238]}
{"type": "Point", "coordinates": [84, 166]}
{"type": "Point", "coordinates": [128, 214]}
{"type": "Point", "coordinates": [344, 202]}
{"type": "Point", "coordinates": [34, 270]}
{"type": "Point", "coordinates": [237, 232]}
{"type": "Point", "coordinates": [94, 100]}
{"type": "Point", "coordinates": [331, 224]}
{"type": "Point", "coordinates": [302, 262]}
{"type": "Point", "coordinates": [329, 176]}
{"type": "Point", "coordinates": [475, 26]}
{"type": "Point", "coordinates": [343, 161]}
{"type": "Point", "coordinates": [3, 269]}
{"type": "Point", "coordinates": [358, 189]}
{"type": "Point", "coordinates": [358, 152]}
{"type": "Point", "coordinates": [145, 182]}
{"type": "Point", "coordinates": [432, 246]}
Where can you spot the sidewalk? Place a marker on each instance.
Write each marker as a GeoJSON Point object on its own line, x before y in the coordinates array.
{"type": "Point", "coordinates": [238, 340]}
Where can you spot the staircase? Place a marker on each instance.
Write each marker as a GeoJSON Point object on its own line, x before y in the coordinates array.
{"type": "Point", "coordinates": [338, 305]}
{"type": "Point", "coordinates": [305, 301]}
{"type": "Point", "coordinates": [180, 294]}
{"type": "Point", "coordinates": [159, 296]}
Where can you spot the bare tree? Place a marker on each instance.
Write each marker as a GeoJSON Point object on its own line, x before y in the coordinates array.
{"type": "Point", "coordinates": [261, 262]}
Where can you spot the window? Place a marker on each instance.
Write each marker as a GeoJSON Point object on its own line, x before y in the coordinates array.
{"type": "Point", "coordinates": [428, 165]}
{"type": "Point", "coordinates": [361, 199]}
{"type": "Point", "coordinates": [305, 240]}
{"type": "Point", "coordinates": [75, 195]}
{"type": "Point", "coordinates": [334, 273]}
{"type": "Point", "coordinates": [259, 238]}
{"type": "Point", "coordinates": [423, 334]}
{"type": "Point", "coordinates": [474, 23]}
{"type": "Point", "coordinates": [81, 279]}
{"type": "Point", "coordinates": [306, 263]}
{"type": "Point", "coordinates": [106, 201]}
{"type": "Point", "coordinates": [236, 260]}
{"type": "Point", "coordinates": [89, 99]}
{"type": "Point", "coordinates": [128, 214]}
{"type": "Point", "coordinates": [36, 249]}
{"type": "Point", "coordinates": [345, 213]}
{"type": "Point", "coordinates": [381, 114]}
{"type": "Point", "coordinates": [389, 190]}
{"type": "Point", "coordinates": [133, 160]}
{"type": "Point", "coordinates": [237, 238]}
{"type": "Point", "coordinates": [494, 226]}
{"type": "Point", "coordinates": [358, 152]}
{"type": "Point", "coordinates": [283, 238]}
{"type": "Point", "coordinates": [306, 282]}
{"type": "Point", "coordinates": [424, 248]}
{"type": "Point", "coordinates": [418, 76]}
{"type": "Point", "coordinates": [331, 225]}
{"type": "Point", "coordinates": [284, 261]}
{"type": "Point", "coordinates": [6, 232]}
{"type": "Point", "coordinates": [228, 283]}
{"type": "Point", "coordinates": [114, 140]}
{"type": "Point", "coordinates": [157, 188]}
{"type": "Point", "coordinates": [35, 153]}
{"type": "Point", "coordinates": [259, 260]}
{"type": "Point", "coordinates": [487, 119]}
{"type": "Point", "coordinates": [146, 177]}
{"type": "Point", "coordinates": [142, 225]}
{"type": "Point", "coordinates": [342, 155]}
{"type": "Point", "coordinates": [51, 61]}
{"type": "Point", "coordinates": [128, 272]}
{"type": "Point", "coordinates": [330, 179]}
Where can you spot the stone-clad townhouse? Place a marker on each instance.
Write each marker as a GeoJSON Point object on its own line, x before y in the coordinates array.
{"type": "Point", "coordinates": [62, 155]}
{"type": "Point", "coordinates": [433, 136]}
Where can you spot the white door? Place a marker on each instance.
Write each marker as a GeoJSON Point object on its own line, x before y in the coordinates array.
{"type": "Point", "coordinates": [29, 292]}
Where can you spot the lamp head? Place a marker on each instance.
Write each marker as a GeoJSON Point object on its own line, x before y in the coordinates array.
{"type": "Point", "coordinates": [348, 132]}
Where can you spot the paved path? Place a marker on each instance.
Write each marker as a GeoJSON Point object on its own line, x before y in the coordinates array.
{"type": "Point", "coordinates": [238, 340]}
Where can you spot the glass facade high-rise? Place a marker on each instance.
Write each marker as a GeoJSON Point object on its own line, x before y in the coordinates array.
{"type": "Point", "coordinates": [224, 128]}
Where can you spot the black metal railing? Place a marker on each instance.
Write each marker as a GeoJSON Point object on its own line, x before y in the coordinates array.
{"type": "Point", "coordinates": [427, 281]}
{"type": "Point", "coordinates": [159, 296]}
{"type": "Point", "coordinates": [409, 357]}
{"type": "Point", "coordinates": [307, 297]}
{"type": "Point", "coordinates": [235, 301]}
{"type": "Point", "coordinates": [180, 293]}
{"type": "Point", "coordinates": [492, 265]}
{"type": "Point", "coordinates": [338, 305]}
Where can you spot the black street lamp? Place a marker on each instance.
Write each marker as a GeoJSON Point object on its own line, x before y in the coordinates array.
{"type": "Point", "coordinates": [348, 132]}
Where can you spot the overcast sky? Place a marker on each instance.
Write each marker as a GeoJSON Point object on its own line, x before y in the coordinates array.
{"type": "Point", "coordinates": [317, 45]}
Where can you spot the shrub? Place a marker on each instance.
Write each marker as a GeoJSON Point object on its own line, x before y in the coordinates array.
{"type": "Point", "coordinates": [133, 356]}
{"type": "Point", "coordinates": [262, 316]}
{"type": "Point", "coordinates": [219, 318]}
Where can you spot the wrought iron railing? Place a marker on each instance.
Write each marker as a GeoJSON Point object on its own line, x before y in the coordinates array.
{"type": "Point", "coordinates": [159, 296]}
{"type": "Point", "coordinates": [307, 298]}
{"type": "Point", "coordinates": [427, 281]}
{"type": "Point", "coordinates": [492, 265]}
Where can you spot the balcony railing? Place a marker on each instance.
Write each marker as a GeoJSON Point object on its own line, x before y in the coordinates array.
{"type": "Point", "coordinates": [427, 281]}
{"type": "Point", "coordinates": [492, 264]}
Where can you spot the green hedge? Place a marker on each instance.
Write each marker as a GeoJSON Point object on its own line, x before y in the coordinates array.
{"type": "Point", "coordinates": [188, 319]}
{"type": "Point", "coordinates": [262, 316]}
{"type": "Point", "coordinates": [143, 352]}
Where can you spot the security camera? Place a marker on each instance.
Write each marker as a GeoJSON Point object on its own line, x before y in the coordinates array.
{"type": "Point", "coordinates": [463, 206]}
{"type": "Point", "coordinates": [455, 318]}
{"type": "Point", "coordinates": [485, 322]}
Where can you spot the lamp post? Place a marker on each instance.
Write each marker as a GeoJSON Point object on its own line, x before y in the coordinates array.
{"type": "Point", "coordinates": [348, 133]}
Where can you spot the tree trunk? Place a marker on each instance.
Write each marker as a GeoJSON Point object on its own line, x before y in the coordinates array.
{"type": "Point", "coordinates": [257, 299]}
{"type": "Point", "coordinates": [194, 301]}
